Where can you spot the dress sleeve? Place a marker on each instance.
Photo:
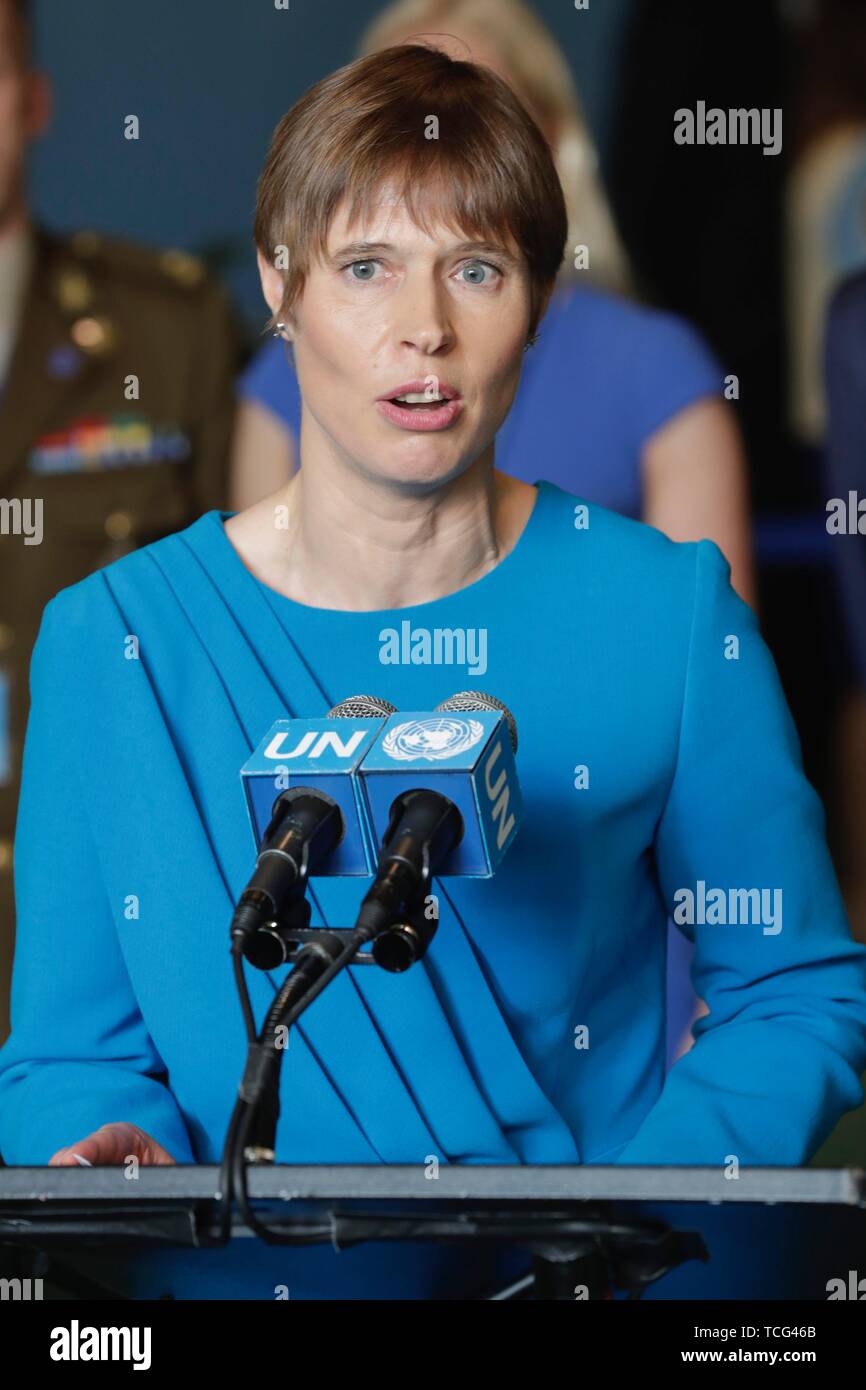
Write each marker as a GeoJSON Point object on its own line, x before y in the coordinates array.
{"type": "Point", "coordinates": [672, 368]}
{"type": "Point", "coordinates": [777, 1059]}
{"type": "Point", "coordinates": [79, 1054]}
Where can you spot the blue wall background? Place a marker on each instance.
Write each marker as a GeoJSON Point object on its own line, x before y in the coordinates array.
{"type": "Point", "coordinates": [208, 80]}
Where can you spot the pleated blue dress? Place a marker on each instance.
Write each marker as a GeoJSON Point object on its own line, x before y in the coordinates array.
{"type": "Point", "coordinates": [533, 1030]}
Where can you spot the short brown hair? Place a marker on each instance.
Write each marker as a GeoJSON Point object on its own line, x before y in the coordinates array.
{"type": "Point", "coordinates": [367, 123]}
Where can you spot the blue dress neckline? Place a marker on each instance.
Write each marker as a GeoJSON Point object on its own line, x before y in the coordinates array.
{"type": "Point", "coordinates": [518, 558]}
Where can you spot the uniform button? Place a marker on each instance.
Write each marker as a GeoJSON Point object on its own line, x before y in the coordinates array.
{"type": "Point", "coordinates": [7, 636]}
{"type": "Point", "coordinates": [74, 291]}
{"type": "Point", "coordinates": [186, 269]}
{"type": "Point", "coordinates": [95, 336]}
{"type": "Point", "coordinates": [5, 854]}
{"type": "Point", "coordinates": [118, 526]}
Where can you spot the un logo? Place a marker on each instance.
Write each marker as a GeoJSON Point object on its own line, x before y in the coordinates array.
{"type": "Point", "coordinates": [433, 739]}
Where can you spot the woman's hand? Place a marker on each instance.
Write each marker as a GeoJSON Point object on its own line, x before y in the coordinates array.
{"type": "Point", "coordinates": [113, 1143]}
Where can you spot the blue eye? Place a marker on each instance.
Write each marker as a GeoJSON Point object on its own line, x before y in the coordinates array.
{"type": "Point", "coordinates": [479, 266]}
{"type": "Point", "coordinates": [364, 265]}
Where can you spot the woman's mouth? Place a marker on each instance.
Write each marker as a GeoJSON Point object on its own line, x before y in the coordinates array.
{"type": "Point", "coordinates": [421, 410]}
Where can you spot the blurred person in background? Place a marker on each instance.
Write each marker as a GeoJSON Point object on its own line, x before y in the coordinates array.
{"type": "Point", "coordinates": [624, 403]}
{"type": "Point", "coordinates": [826, 244]}
{"type": "Point", "coordinates": [845, 474]}
{"type": "Point", "coordinates": [116, 406]}
{"type": "Point", "coordinates": [825, 211]}
{"type": "Point", "coordinates": [707, 230]}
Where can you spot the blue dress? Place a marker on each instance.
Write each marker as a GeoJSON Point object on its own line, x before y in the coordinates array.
{"type": "Point", "coordinates": [152, 681]}
{"type": "Point", "coordinates": [604, 375]}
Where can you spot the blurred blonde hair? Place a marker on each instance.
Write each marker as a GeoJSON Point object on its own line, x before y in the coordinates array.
{"type": "Point", "coordinates": [535, 67]}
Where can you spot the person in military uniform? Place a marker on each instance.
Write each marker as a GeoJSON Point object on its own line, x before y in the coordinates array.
{"type": "Point", "coordinates": [117, 368]}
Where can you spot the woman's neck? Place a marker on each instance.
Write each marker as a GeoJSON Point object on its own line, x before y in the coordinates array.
{"type": "Point", "coordinates": [351, 543]}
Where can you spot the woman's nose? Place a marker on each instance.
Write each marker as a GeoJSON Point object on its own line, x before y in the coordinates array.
{"type": "Point", "coordinates": [424, 322]}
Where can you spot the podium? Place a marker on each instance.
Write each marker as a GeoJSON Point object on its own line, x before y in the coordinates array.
{"type": "Point", "coordinates": [581, 1225]}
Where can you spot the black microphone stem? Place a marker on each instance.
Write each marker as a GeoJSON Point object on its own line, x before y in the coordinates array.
{"type": "Point", "coordinates": [260, 1087]}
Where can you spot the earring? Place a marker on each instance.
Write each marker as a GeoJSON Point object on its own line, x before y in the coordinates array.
{"type": "Point", "coordinates": [278, 331]}
{"type": "Point", "coordinates": [531, 342]}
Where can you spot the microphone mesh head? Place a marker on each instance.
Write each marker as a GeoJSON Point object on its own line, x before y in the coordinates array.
{"type": "Point", "coordinates": [468, 700]}
{"type": "Point", "coordinates": [362, 707]}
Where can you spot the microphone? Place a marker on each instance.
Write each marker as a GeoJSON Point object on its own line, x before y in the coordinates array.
{"type": "Point", "coordinates": [464, 751]}
{"type": "Point", "coordinates": [468, 700]}
{"type": "Point", "coordinates": [362, 707]}
{"type": "Point", "coordinates": [423, 829]}
{"type": "Point", "coordinates": [321, 754]}
{"type": "Point", "coordinates": [308, 826]}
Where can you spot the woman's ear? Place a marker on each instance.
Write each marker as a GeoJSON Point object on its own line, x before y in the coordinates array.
{"type": "Point", "coordinates": [273, 285]}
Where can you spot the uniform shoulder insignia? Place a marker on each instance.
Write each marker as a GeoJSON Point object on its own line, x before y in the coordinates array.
{"type": "Point", "coordinates": [86, 243]}
{"type": "Point", "coordinates": [174, 265]}
{"type": "Point", "coordinates": [183, 268]}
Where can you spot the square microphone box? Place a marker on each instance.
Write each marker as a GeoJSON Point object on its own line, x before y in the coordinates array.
{"type": "Point", "coordinates": [465, 756]}
{"type": "Point", "coordinates": [321, 753]}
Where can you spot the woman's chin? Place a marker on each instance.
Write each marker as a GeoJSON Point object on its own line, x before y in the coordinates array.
{"type": "Point", "coordinates": [423, 471]}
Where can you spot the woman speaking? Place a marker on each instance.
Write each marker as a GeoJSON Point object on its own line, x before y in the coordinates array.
{"type": "Point", "coordinates": [410, 226]}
